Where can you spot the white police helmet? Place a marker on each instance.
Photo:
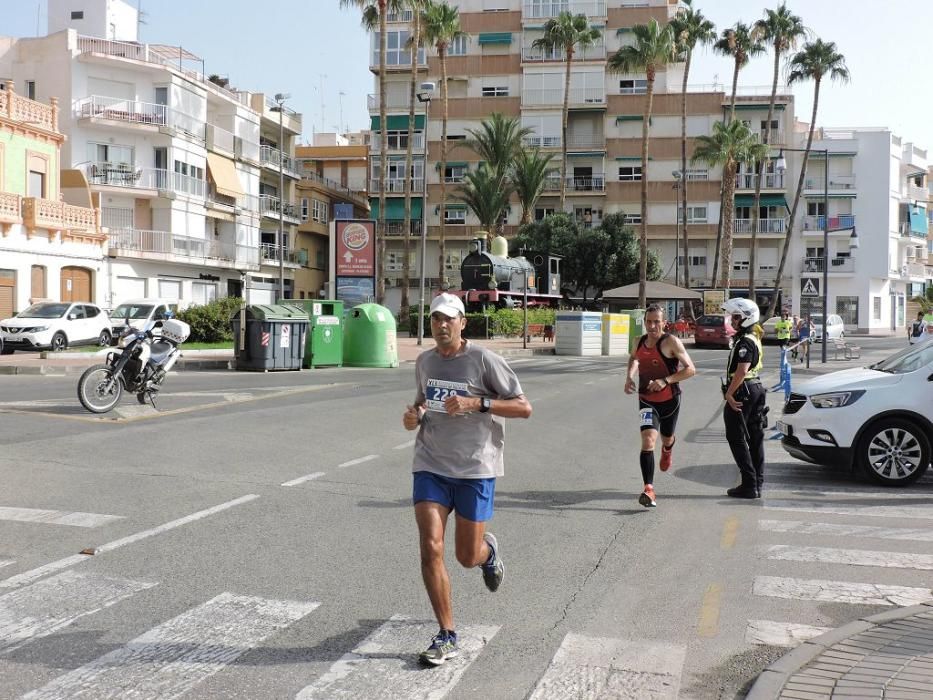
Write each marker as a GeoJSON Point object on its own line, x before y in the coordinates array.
{"type": "Point", "coordinates": [745, 308]}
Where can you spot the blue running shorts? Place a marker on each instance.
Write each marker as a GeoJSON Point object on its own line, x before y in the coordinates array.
{"type": "Point", "coordinates": [469, 498]}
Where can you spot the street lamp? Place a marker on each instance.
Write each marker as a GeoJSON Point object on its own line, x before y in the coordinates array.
{"type": "Point", "coordinates": [425, 94]}
{"type": "Point", "coordinates": [678, 177]}
{"type": "Point", "coordinates": [280, 98]}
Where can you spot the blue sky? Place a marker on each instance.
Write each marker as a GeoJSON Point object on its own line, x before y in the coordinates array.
{"type": "Point", "coordinates": [313, 49]}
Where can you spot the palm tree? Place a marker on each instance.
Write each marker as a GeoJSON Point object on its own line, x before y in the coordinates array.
{"type": "Point", "coordinates": [498, 140]}
{"type": "Point", "coordinates": [781, 29]}
{"type": "Point", "coordinates": [567, 33]}
{"type": "Point", "coordinates": [817, 60]}
{"type": "Point", "coordinates": [730, 144]}
{"type": "Point", "coordinates": [441, 27]}
{"type": "Point", "coordinates": [530, 170]}
{"type": "Point", "coordinates": [690, 29]}
{"type": "Point", "coordinates": [654, 48]}
{"type": "Point", "coordinates": [487, 194]}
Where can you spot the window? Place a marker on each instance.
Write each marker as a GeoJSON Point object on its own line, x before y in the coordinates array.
{"type": "Point", "coordinates": [109, 153]}
{"type": "Point", "coordinates": [398, 140]}
{"type": "Point", "coordinates": [697, 174]}
{"type": "Point", "coordinates": [304, 208]}
{"type": "Point", "coordinates": [31, 89]}
{"type": "Point", "coordinates": [496, 91]}
{"type": "Point", "coordinates": [77, 14]}
{"type": "Point", "coordinates": [319, 211]}
{"type": "Point", "coordinates": [402, 16]}
{"type": "Point", "coordinates": [630, 173]}
{"type": "Point", "coordinates": [695, 214]}
{"type": "Point", "coordinates": [397, 51]}
{"type": "Point", "coordinates": [632, 218]}
{"type": "Point", "coordinates": [815, 209]}
{"type": "Point", "coordinates": [456, 137]}
{"type": "Point", "coordinates": [697, 257]}
{"type": "Point", "coordinates": [455, 216]}
{"type": "Point", "coordinates": [395, 261]}
{"type": "Point", "coordinates": [454, 173]}
{"type": "Point", "coordinates": [453, 260]}
{"type": "Point", "coordinates": [876, 308]}
{"type": "Point", "coordinates": [457, 47]}
{"type": "Point", "coordinates": [542, 213]}
{"type": "Point", "coordinates": [320, 259]}
{"type": "Point", "coordinates": [36, 184]}
{"type": "Point", "coordinates": [633, 87]}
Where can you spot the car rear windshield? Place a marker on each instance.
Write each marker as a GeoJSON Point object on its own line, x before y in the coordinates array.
{"type": "Point", "coordinates": [44, 311]}
{"type": "Point", "coordinates": [131, 311]}
{"type": "Point", "coordinates": [710, 320]}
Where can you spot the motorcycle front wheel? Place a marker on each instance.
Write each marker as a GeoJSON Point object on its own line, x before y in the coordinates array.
{"type": "Point", "coordinates": [99, 390]}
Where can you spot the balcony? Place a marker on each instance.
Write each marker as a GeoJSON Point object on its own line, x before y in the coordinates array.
{"type": "Point", "coordinates": [546, 9]}
{"type": "Point", "coordinates": [589, 143]}
{"type": "Point", "coordinates": [919, 271]}
{"type": "Point", "coordinates": [123, 175]}
{"type": "Point", "coordinates": [269, 255]}
{"type": "Point", "coordinates": [21, 109]}
{"type": "Point", "coordinates": [58, 216]}
{"type": "Point", "coordinates": [814, 181]}
{"type": "Point", "coordinates": [354, 190]}
{"type": "Point", "coordinates": [840, 221]}
{"type": "Point", "coordinates": [777, 136]}
{"type": "Point", "coordinates": [907, 231]}
{"type": "Point", "coordinates": [164, 245]}
{"type": "Point", "coordinates": [541, 141]}
{"type": "Point", "coordinates": [764, 226]}
{"type": "Point", "coordinates": [220, 140]}
{"type": "Point", "coordinates": [592, 183]}
{"type": "Point", "coordinates": [396, 229]}
{"type": "Point", "coordinates": [273, 159]}
{"type": "Point", "coordinates": [271, 207]}
{"type": "Point", "coordinates": [133, 112]}
{"type": "Point", "coordinates": [590, 97]}
{"type": "Point", "coordinates": [11, 211]}
{"type": "Point", "coordinates": [917, 194]}
{"type": "Point", "coordinates": [842, 264]}
{"type": "Point", "coordinates": [392, 102]}
{"type": "Point", "coordinates": [395, 185]}
{"type": "Point", "coordinates": [746, 181]}
{"type": "Point", "coordinates": [532, 54]}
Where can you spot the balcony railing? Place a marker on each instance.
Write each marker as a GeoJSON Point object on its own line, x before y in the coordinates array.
{"type": "Point", "coordinates": [907, 231]}
{"type": "Point", "coordinates": [220, 140]}
{"type": "Point", "coordinates": [396, 185]}
{"type": "Point", "coordinates": [764, 225]}
{"type": "Point", "coordinates": [21, 109]}
{"type": "Point", "coordinates": [270, 205]}
{"type": "Point", "coordinates": [59, 216]}
{"type": "Point", "coordinates": [746, 181]}
{"type": "Point", "coordinates": [397, 228]}
{"type": "Point", "coordinates": [124, 175]}
{"type": "Point", "coordinates": [816, 223]}
{"type": "Point", "coordinates": [915, 193]}
{"type": "Point", "coordinates": [136, 112]}
{"type": "Point", "coordinates": [417, 142]}
{"type": "Point", "coordinates": [777, 135]}
{"type": "Point", "coordinates": [542, 141]}
{"type": "Point", "coordinates": [555, 96]}
{"type": "Point", "coordinates": [11, 208]}
{"type": "Point", "coordinates": [392, 102]}
{"type": "Point", "coordinates": [543, 9]}
{"type": "Point", "coordinates": [593, 183]}
{"type": "Point", "coordinates": [843, 264]}
{"type": "Point", "coordinates": [836, 182]}
{"type": "Point", "coordinates": [917, 269]}
{"type": "Point", "coordinates": [270, 156]}
{"type": "Point", "coordinates": [165, 243]}
{"type": "Point", "coordinates": [532, 54]}
{"type": "Point", "coordinates": [269, 253]}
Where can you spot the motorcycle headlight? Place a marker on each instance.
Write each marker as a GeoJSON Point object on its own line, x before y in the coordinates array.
{"type": "Point", "coordinates": [836, 399]}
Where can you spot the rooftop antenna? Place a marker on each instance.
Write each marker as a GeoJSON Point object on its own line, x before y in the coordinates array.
{"type": "Point", "coordinates": [140, 18]}
{"type": "Point", "coordinates": [323, 123]}
{"type": "Point", "coordinates": [340, 98]}
{"type": "Point", "coordinates": [38, 10]}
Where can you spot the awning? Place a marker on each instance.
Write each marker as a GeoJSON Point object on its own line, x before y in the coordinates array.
{"type": "Point", "coordinates": [767, 200]}
{"type": "Point", "coordinates": [743, 108]}
{"type": "Point", "coordinates": [455, 206]}
{"type": "Point", "coordinates": [632, 118]}
{"type": "Point", "coordinates": [832, 195]}
{"type": "Point", "coordinates": [397, 122]}
{"type": "Point", "coordinates": [918, 220]}
{"type": "Point", "coordinates": [623, 30]}
{"type": "Point", "coordinates": [638, 158]}
{"type": "Point", "coordinates": [586, 154]}
{"type": "Point", "coordinates": [395, 208]}
{"type": "Point", "coordinates": [495, 38]}
{"type": "Point", "coordinates": [452, 164]}
{"type": "Point", "coordinates": [223, 173]}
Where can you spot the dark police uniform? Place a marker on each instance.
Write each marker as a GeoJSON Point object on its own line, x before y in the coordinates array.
{"type": "Point", "coordinates": [745, 430]}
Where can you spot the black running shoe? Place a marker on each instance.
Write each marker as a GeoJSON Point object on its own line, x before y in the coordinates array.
{"type": "Point", "coordinates": [494, 569]}
{"type": "Point", "coordinates": [443, 647]}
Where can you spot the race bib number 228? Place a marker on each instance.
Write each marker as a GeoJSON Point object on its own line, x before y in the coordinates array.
{"type": "Point", "coordinates": [438, 390]}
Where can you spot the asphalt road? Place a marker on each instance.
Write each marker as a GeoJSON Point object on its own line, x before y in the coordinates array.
{"type": "Point", "coordinates": [255, 539]}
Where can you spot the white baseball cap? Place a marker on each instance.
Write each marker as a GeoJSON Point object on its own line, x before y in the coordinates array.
{"type": "Point", "coordinates": [448, 304]}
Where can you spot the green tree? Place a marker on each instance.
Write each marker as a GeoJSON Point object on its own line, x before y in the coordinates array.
{"type": "Point", "coordinates": [497, 141]}
{"type": "Point", "coordinates": [553, 234]}
{"type": "Point", "coordinates": [567, 33]}
{"type": "Point", "coordinates": [530, 171]}
{"type": "Point", "coordinates": [925, 300]}
{"type": "Point", "coordinates": [781, 29]}
{"type": "Point", "coordinates": [690, 29]}
{"type": "Point", "coordinates": [730, 144]}
{"type": "Point", "coordinates": [742, 44]}
{"type": "Point", "coordinates": [487, 194]}
{"type": "Point", "coordinates": [441, 27]}
{"type": "Point", "coordinates": [654, 48]}
{"type": "Point", "coordinates": [817, 60]}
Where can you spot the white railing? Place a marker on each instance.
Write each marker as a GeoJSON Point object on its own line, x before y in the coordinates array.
{"type": "Point", "coordinates": [814, 181]}
{"type": "Point", "coordinates": [543, 9]}
{"type": "Point", "coordinates": [555, 96]}
{"type": "Point", "coordinates": [271, 156]}
{"type": "Point", "coordinates": [270, 205]}
{"type": "Point", "coordinates": [269, 252]}
{"type": "Point", "coordinates": [220, 139]}
{"type": "Point", "coordinates": [532, 54]}
{"type": "Point", "coordinates": [396, 185]}
{"type": "Point", "coordinates": [776, 136]}
{"type": "Point", "coordinates": [816, 264]}
{"type": "Point", "coordinates": [542, 141]}
{"type": "Point", "coordinates": [137, 112]}
{"type": "Point", "coordinates": [417, 142]}
{"type": "Point", "coordinates": [741, 90]}
{"type": "Point", "coordinates": [11, 208]}
{"type": "Point", "coordinates": [124, 175]}
{"type": "Point", "coordinates": [816, 223]}
{"type": "Point", "coordinates": [764, 225]}
{"type": "Point", "coordinates": [392, 102]}
{"type": "Point", "coordinates": [746, 181]}
{"type": "Point", "coordinates": [246, 149]}
{"type": "Point", "coordinates": [917, 193]}
{"type": "Point", "coordinates": [169, 244]}
{"type": "Point", "coordinates": [593, 183]}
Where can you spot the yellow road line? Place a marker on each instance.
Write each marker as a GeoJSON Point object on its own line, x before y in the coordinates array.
{"type": "Point", "coordinates": [708, 625]}
{"type": "Point", "coordinates": [729, 532]}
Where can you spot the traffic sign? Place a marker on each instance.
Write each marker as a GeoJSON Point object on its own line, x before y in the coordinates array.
{"type": "Point", "coordinates": [809, 286]}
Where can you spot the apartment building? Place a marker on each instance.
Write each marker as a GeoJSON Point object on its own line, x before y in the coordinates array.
{"type": "Point", "coordinates": [51, 243]}
{"type": "Point", "coordinates": [495, 68]}
{"type": "Point", "coordinates": [194, 179]}
{"type": "Point", "coordinates": [876, 187]}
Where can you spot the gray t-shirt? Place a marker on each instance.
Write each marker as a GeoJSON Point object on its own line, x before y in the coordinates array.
{"type": "Point", "coordinates": [465, 446]}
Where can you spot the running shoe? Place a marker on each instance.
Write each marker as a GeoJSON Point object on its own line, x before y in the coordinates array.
{"type": "Point", "coordinates": [647, 498]}
{"type": "Point", "coordinates": [493, 569]}
{"type": "Point", "coordinates": [667, 457]}
{"type": "Point", "coordinates": [443, 647]}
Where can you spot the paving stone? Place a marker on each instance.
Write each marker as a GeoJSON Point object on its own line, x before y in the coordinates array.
{"type": "Point", "coordinates": [801, 695]}
{"type": "Point", "coordinates": [806, 679]}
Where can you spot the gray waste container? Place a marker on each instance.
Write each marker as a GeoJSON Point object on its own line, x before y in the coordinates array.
{"type": "Point", "coordinates": [274, 337]}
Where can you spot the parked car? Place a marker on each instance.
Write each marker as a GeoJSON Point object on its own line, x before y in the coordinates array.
{"type": "Point", "coordinates": [56, 326]}
{"type": "Point", "coordinates": [139, 313]}
{"type": "Point", "coordinates": [874, 418]}
{"type": "Point", "coordinates": [834, 329]}
{"type": "Point", "coordinates": [713, 330]}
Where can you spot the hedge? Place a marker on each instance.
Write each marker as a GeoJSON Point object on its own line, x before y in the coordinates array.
{"type": "Point", "coordinates": [501, 322]}
{"type": "Point", "coordinates": [210, 323]}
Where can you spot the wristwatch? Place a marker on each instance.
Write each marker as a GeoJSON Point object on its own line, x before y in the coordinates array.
{"type": "Point", "coordinates": [484, 405]}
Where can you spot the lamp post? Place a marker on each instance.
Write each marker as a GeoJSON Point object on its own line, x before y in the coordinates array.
{"type": "Point", "coordinates": [280, 98]}
{"type": "Point", "coordinates": [678, 177]}
{"type": "Point", "coordinates": [424, 97]}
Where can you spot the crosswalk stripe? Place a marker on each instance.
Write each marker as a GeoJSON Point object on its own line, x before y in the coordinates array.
{"type": "Point", "coordinates": [839, 591]}
{"type": "Point", "coordinates": [50, 605]}
{"type": "Point", "coordinates": [780, 634]}
{"type": "Point", "coordinates": [169, 660]}
{"type": "Point", "coordinates": [587, 668]}
{"type": "Point", "coordinates": [385, 664]}
{"type": "Point", "coordinates": [922, 511]}
{"type": "Point", "coordinates": [884, 533]}
{"type": "Point", "coordinates": [302, 479]}
{"type": "Point", "coordinates": [56, 517]}
{"type": "Point", "coordinates": [852, 557]}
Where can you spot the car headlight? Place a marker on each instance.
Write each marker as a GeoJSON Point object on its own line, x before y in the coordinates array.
{"type": "Point", "coordinates": [836, 399]}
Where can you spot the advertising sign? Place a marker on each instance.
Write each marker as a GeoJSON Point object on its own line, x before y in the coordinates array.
{"type": "Point", "coordinates": [713, 299]}
{"type": "Point", "coordinates": [355, 250]}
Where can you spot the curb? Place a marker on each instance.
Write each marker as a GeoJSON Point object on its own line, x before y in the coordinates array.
{"type": "Point", "coordinates": [771, 680]}
{"type": "Point", "coordinates": [63, 370]}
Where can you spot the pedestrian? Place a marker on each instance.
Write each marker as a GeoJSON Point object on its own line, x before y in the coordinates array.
{"type": "Point", "coordinates": [917, 330]}
{"type": "Point", "coordinates": [745, 412]}
{"type": "Point", "coordinates": [661, 363]}
{"type": "Point", "coordinates": [464, 391]}
{"type": "Point", "coordinates": [805, 334]}
{"type": "Point", "coordinates": [782, 329]}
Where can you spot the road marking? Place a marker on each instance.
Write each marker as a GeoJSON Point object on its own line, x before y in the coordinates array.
{"type": "Point", "coordinates": [853, 557]}
{"type": "Point", "coordinates": [800, 487]}
{"type": "Point", "coordinates": [780, 634]}
{"type": "Point", "coordinates": [917, 510]}
{"type": "Point", "coordinates": [708, 625]}
{"type": "Point", "coordinates": [56, 517]}
{"type": "Point", "coordinates": [885, 533]}
{"type": "Point", "coordinates": [171, 659]}
{"type": "Point", "coordinates": [48, 606]}
{"type": "Point", "coordinates": [729, 532]}
{"type": "Point", "coordinates": [359, 460]}
{"type": "Point", "coordinates": [839, 591]}
{"type": "Point", "coordinates": [385, 664]}
{"type": "Point", "coordinates": [37, 573]}
{"type": "Point", "coordinates": [587, 668]}
{"type": "Point", "coordinates": [6, 562]}
{"type": "Point", "coordinates": [404, 445]}
{"type": "Point", "coordinates": [302, 479]}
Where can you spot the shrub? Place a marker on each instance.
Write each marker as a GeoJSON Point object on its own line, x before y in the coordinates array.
{"type": "Point", "coordinates": [499, 322]}
{"type": "Point", "coordinates": [210, 323]}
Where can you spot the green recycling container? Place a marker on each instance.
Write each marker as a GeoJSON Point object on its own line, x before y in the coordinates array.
{"type": "Point", "coordinates": [324, 347]}
{"type": "Point", "coordinates": [273, 338]}
{"type": "Point", "coordinates": [636, 328]}
{"type": "Point", "coordinates": [369, 337]}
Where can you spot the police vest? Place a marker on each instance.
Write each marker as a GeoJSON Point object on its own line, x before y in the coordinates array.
{"type": "Point", "coordinates": [753, 372]}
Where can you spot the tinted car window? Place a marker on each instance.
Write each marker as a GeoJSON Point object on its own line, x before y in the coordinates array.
{"type": "Point", "coordinates": [77, 311]}
{"type": "Point", "coordinates": [131, 311]}
{"type": "Point", "coordinates": [710, 320]}
{"type": "Point", "coordinates": [91, 311]}
{"type": "Point", "coordinates": [44, 311]}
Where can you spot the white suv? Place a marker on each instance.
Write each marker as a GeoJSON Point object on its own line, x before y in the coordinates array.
{"type": "Point", "coordinates": [55, 326]}
{"type": "Point", "coordinates": [877, 418]}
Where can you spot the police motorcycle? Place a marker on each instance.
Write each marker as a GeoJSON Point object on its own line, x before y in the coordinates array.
{"type": "Point", "coordinates": [138, 365]}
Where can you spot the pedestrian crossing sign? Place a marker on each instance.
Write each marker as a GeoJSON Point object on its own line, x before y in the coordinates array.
{"type": "Point", "coordinates": [809, 287]}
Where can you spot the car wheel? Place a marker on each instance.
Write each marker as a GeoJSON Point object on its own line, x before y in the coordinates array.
{"type": "Point", "coordinates": [59, 342]}
{"type": "Point", "coordinates": [103, 340]}
{"type": "Point", "coordinates": [893, 452]}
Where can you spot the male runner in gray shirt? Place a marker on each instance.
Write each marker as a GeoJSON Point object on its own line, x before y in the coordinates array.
{"type": "Point", "coordinates": [463, 393]}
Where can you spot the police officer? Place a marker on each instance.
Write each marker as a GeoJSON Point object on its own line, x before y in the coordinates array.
{"type": "Point", "coordinates": [745, 411]}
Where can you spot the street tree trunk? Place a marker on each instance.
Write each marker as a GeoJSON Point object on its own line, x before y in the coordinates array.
{"type": "Point", "coordinates": [563, 131]}
{"type": "Point", "coordinates": [442, 241]}
{"type": "Point", "coordinates": [383, 161]}
{"type": "Point", "coordinates": [643, 263]}
{"type": "Point", "coordinates": [683, 168]}
{"type": "Point", "coordinates": [725, 265]}
{"type": "Point", "coordinates": [406, 232]}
